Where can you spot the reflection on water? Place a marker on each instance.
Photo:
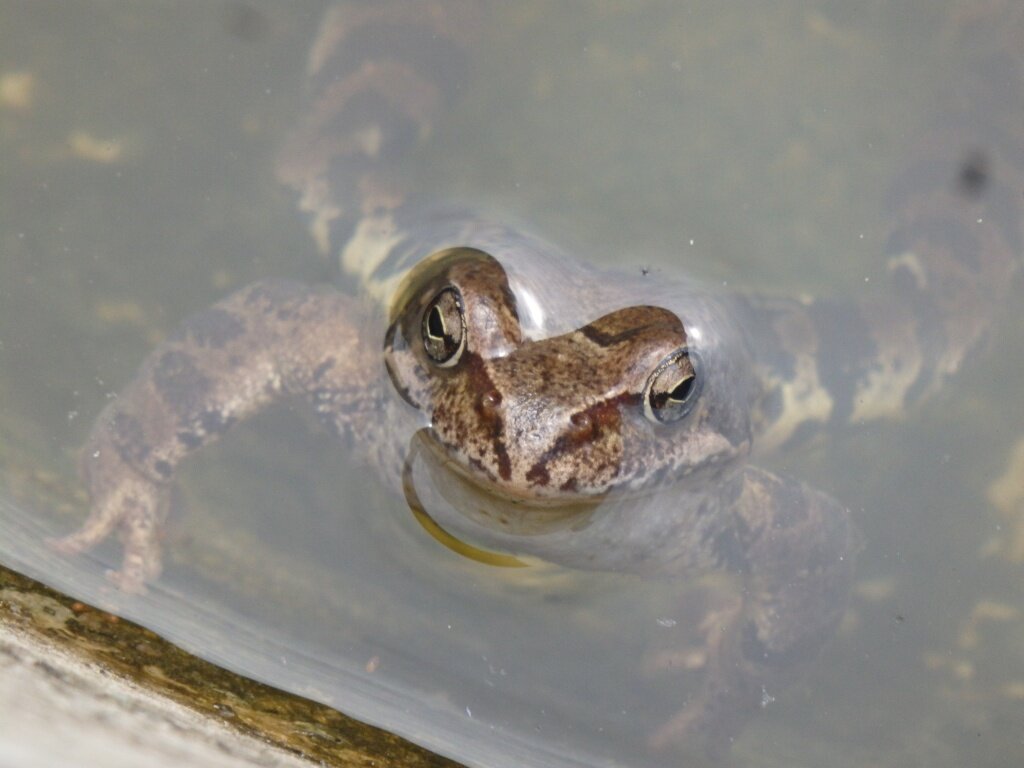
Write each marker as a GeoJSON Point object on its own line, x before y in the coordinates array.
{"type": "Point", "coordinates": [748, 147]}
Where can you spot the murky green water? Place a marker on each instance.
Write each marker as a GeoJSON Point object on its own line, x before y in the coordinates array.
{"type": "Point", "coordinates": [742, 143]}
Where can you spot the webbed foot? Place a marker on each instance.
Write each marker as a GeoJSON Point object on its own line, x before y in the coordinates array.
{"type": "Point", "coordinates": [136, 508]}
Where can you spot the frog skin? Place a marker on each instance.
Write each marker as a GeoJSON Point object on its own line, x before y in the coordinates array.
{"type": "Point", "coordinates": [557, 417]}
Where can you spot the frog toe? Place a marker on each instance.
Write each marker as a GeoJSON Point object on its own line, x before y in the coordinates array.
{"type": "Point", "coordinates": [142, 560]}
{"type": "Point", "coordinates": [98, 526]}
{"type": "Point", "coordinates": [131, 579]}
{"type": "Point", "coordinates": [136, 509]}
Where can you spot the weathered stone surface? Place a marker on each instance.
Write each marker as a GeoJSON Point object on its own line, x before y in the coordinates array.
{"type": "Point", "coordinates": [62, 710]}
{"type": "Point", "coordinates": [82, 687]}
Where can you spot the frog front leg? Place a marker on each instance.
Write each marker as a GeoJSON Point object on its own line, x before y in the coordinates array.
{"type": "Point", "coordinates": [794, 548]}
{"type": "Point", "coordinates": [268, 340]}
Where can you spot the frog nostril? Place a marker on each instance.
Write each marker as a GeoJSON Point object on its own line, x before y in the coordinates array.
{"type": "Point", "coordinates": [490, 400]}
{"type": "Point", "coordinates": [582, 424]}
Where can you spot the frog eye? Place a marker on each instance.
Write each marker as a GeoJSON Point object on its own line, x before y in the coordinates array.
{"type": "Point", "coordinates": [672, 389]}
{"type": "Point", "coordinates": [444, 328]}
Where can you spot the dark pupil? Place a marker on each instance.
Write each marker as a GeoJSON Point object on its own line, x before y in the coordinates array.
{"type": "Point", "coordinates": [682, 389]}
{"type": "Point", "coordinates": [435, 323]}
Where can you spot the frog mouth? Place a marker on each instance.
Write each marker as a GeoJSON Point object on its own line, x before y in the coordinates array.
{"type": "Point", "coordinates": [465, 509]}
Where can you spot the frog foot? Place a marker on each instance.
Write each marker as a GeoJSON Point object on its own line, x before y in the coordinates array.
{"type": "Point", "coordinates": [136, 507]}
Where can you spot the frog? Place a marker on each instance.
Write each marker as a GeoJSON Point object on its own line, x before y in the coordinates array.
{"type": "Point", "coordinates": [528, 404]}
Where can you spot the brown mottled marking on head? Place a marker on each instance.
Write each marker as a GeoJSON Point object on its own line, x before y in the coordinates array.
{"type": "Point", "coordinates": [489, 421]}
{"type": "Point", "coordinates": [629, 323]}
{"type": "Point", "coordinates": [538, 474]}
{"type": "Point", "coordinates": [586, 428]}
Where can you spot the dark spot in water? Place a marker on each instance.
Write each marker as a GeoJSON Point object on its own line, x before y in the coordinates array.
{"type": "Point", "coordinates": [974, 175]}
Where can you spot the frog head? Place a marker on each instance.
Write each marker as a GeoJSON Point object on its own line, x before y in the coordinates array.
{"type": "Point", "coordinates": [617, 404]}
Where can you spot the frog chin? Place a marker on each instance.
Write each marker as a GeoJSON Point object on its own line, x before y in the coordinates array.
{"type": "Point", "coordinates": [466, 510]}
{"type": "Point", "coordinates": [434, 479]}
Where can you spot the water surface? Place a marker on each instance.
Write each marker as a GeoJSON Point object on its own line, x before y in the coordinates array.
{"type": "Point", "coordinates": [746, 146]}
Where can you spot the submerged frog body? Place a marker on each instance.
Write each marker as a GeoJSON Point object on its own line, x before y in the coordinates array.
{"type": "Point", "coordinates": [559, 417]}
